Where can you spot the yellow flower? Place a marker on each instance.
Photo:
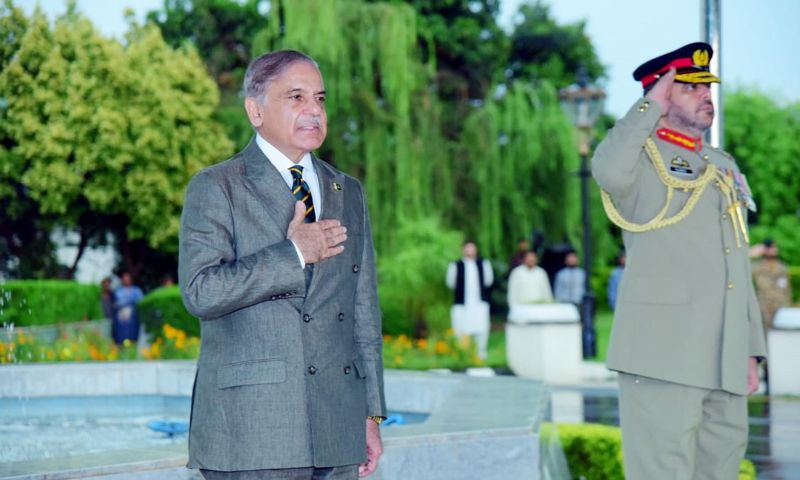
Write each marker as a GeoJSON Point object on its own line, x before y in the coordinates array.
{"type": "Point", "coordinates": [442, 347]}
{"type": "Point", "coordinates": [422, 343]}
{"type": "Point", "coordinates": [127, 343]}
{"type": "Point", "coordinates": [398, 360]}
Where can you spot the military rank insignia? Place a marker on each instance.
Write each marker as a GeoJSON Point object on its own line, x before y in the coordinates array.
{"type": "Point", "coordinates": [680, 165]}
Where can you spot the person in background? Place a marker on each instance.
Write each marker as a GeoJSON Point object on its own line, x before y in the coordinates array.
{"type": "Point", "coordinates": [470, 278]}
{"type": "Point", "coordinates": [614, 279]}
{"type": "Point", "coordinates": [772, 283]}
{"type": "Point", "coordinates": [126, 321]}
{"type": "Point", "coordinates": [519, 255]}
{"type": "Point", "coordinates": [570, 282]}
{"type": "Point", "coordinates": [528, 283]}
{"type": "Point", "coordinates": [107, 301]}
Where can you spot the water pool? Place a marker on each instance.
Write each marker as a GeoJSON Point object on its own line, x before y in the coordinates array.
{"type": "Point", "coordinates": [47, 427]}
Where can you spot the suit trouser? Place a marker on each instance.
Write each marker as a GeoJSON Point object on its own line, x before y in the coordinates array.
{"type": "Point", "coordinates": [677, 432]}
{"type": "Point", "coordinates": [346, 472]}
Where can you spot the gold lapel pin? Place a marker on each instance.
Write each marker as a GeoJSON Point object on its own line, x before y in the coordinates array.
{"type": "Point", "coordinates": [337, 186]}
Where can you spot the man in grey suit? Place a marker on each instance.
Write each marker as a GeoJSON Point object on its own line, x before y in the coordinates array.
{"type": "Point", "coordinates": [276, 259]}
{"type": "Point", "coordinates": [687, 329]}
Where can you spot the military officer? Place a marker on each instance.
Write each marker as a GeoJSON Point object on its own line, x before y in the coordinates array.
{"type": "Point", "coordinates": [772, 283]}
{"type": "Point", "coordinates": [687, 331]}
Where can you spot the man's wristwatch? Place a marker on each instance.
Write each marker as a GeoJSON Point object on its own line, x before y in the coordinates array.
{"type": "Point", "coordinates": [376, 419]}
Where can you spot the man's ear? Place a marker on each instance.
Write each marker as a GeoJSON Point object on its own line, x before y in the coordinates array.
{"type": "Point", "coordinates": [253, 112]}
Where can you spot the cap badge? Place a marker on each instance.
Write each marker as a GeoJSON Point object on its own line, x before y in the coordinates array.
{"type": "Point", "coordinates": [700, 58]}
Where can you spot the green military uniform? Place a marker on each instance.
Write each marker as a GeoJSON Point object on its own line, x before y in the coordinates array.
{"type": "Point", "coordinates": [687, 319]}
{"type": "Point", "coordinates": [773, 288]}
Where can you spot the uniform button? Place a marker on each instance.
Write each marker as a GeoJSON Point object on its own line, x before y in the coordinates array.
{"type": "Point", "coordinates": [341, 317]}
{"type": "Point", "coordinates": [306, 318]}
{"type": "Point", "coordinates": [705, 157]}
{"type": "Point", "coordinates": [644, 106]}
{"type": "Point", "coordinates": [347, 370]}
{"type": "Point", "coordinates": [273, 297]}
{"type": "Point", "coordinates": [355, 269]}
{"type": "Point", "coordinates": [730, 285]}
{"type": "Point", "coordinates": [724, 216]}
{"type": "Point", "coordinates": [727, 251]}
{"type": "Point", "coordinates": [312, 370]}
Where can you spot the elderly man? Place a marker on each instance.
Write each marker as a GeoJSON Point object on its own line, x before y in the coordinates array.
{"type": "Point", "coordinates": [687, 330]}
{"type": "Point", "coordinates": [276, 259]}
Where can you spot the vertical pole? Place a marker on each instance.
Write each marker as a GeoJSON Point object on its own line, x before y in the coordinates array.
{"type": "Point", "coordinates": [587, 305]}
{"type": "Point", "coordinates": [711, 28]}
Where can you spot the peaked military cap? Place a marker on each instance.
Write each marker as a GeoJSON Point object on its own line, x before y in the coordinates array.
{"type": "Point", "coordinates": [690, 62]}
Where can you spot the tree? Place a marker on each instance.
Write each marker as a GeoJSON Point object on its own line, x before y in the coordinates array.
{"type": "Point", "coordinates": [543, 50]}
{"type": "Point", "coordinates": [103, 137]}
{"type": "Point", "coordinates": [222, 32]}
{"type": "Point", "coordinates": [762, 136]}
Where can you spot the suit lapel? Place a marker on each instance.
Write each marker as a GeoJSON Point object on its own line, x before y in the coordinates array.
{"type": "Point", "coordinates": [268, 185]}
{"type": "Point", "coordinates": [331, 185]}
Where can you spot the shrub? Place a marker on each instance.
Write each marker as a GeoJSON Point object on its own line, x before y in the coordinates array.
{"type": "Point", "coordinates": [594, 451]}
{"type": "Point", "coordinates": [46, 302]}
{"type": "Point", "coordinates": [411, 279]}
{"type": "Point", "coordinates": [165, 306]}
{"type": "Point", "coordinates": [794, 280]}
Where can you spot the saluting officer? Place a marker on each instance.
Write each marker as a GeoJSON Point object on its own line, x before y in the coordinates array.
{"type": "Point", "coordinates": [687, 331]}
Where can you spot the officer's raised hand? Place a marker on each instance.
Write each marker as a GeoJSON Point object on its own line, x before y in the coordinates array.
{"type": "Point", "coordinates": [661, 91]}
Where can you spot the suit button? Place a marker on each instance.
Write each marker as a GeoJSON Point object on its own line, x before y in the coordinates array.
{"type": "Point", "coordinates": [307, 318]}
{"type": "Point", "coordinates": [730, 285]}
{"type": "Point", "coordinates": [312, 370]}
{"type": "Point", "coordinates": [341, 317]}
{"type": "Point", "coordinates": [347, 370]}
{"type": "Point", "coordinates": [355, 269]}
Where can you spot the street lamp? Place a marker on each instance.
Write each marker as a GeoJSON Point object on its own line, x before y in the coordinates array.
{"type": "Point", "coordinates": [583, 104]}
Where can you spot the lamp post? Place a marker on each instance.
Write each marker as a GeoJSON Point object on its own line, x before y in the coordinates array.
{"type": "Point", "coordinates": [583, 104]}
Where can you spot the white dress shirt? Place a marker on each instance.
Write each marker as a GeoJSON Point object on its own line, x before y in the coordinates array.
{"type": "Point", "coordinates": [283, 164]}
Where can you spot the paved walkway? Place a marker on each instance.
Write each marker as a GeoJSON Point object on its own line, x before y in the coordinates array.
{"type": "Point", "coordinates": [774, 443]}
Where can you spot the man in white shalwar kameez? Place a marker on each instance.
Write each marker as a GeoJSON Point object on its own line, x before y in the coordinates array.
{"type": "Point", "coordinates": [528, 283]}
{"type": "Point", "coordinates": [470, 278]}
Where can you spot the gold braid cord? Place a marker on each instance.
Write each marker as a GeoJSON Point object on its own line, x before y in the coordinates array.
{"type": "Point", "coordinates": [723, 182]}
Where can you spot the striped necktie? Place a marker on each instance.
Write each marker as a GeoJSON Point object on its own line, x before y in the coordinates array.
{"type": "Point", "coordinates": [302, 192]}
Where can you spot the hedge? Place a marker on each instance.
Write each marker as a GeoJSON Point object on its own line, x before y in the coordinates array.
{"type": "Point", "coordinates": [46, 302]}
{"type": "Point", "coordinates": [794, 279]}
{"type": "Point", "coordinates": [594, 452]}
{"type": "Point", "coordinates": [164, 305]}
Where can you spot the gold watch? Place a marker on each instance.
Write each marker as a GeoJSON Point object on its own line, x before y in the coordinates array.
{"type": "Point", "coordinates": [376, 419]}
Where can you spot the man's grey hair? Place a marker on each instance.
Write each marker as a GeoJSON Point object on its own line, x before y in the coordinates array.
{"type": "Point", "coordinates": [266, 68]}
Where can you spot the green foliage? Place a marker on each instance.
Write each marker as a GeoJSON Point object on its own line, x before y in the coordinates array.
{"type": "Point", "coordinates": [592, 450]}
{"type": "Point", "coordinates": [595, 451]}
{"type": "Point", "coordinates": [762, 135]}
{"type": "Point", "coordinates": [517, 154]}
{"type": "Point", "coordinates": [46, 302]}
{"type": "Point", "coordinates": [542, 50]}
{"type": "Point", "coordinates": [411, 286]}
{"type": "Point", "coordinates": [794, 280]}
{"type": "Point", "coordinates": [165, 306]}
{"type": "Point", "coordinates": [99, 136]}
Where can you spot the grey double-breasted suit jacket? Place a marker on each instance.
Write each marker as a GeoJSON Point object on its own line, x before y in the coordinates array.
{"type": "Point", "coordinates": [286, 376]}
{"type": "Point", "coordinates": [687, 311]}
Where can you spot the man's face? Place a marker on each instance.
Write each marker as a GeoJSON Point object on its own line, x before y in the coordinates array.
{"type": "Point", "coordinates": [126, 279]}
{"type": "Point", "coordinates": [522, 245]}
{"type": "Point", "coordinates": [470, 250]}
{"type": "Point", "coordinates": [530, 260]}
{"type": "Point", "coordinates": [571, 260]}
{"type": "Point", "coordinates": [292, 116]}
{"type": "Point", "coordinates": [691, 110]}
